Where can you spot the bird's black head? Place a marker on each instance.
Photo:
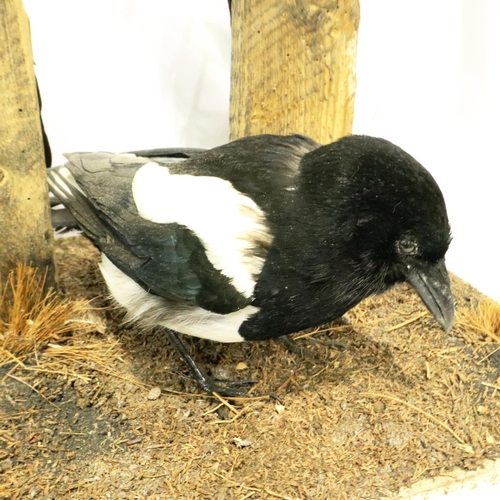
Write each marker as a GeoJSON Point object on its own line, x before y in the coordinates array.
{"type": "Point", "coordinates": [386, 216]}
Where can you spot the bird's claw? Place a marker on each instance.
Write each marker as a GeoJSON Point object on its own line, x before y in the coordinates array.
{"type": "Point", "coordinates": [208, 384]}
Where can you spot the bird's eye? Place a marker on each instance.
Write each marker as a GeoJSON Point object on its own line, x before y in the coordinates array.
{"type": "Point", "coordinates": [408, 247]}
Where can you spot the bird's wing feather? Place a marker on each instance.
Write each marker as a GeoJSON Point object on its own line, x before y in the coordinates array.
{"type": "Point", "coordinates": [164, 257]}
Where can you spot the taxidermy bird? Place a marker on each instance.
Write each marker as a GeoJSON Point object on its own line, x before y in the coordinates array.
{"type": "Point", "coordinates": [261, 237]}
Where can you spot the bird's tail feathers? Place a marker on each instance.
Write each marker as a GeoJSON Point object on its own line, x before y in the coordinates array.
{"type": "Point", "coordinates": [63, 185]}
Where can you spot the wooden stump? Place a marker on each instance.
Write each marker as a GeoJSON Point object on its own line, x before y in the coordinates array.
{"type": "Point", "coordinates": [293, 67]}
{"type": "Point", "coordinates": [26, 231]}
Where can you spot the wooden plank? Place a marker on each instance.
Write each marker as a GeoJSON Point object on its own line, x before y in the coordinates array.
{"type": "Point", "coordinates": [293, 67]}
{"type": "Point", "coordinates": [26, 232]}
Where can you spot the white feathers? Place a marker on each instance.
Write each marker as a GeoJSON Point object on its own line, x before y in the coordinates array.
{"type": "Point", "coordinates": [152, 310]}
{"type": "Point", "coordinates": [60, 180]}
{"type": "Point", "coordinates": [230, 225]}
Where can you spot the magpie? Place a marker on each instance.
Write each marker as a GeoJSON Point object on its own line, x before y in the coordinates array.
{"type": "Point", "coordinates": [259, 238]}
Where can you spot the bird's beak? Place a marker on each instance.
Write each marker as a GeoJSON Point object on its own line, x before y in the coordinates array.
{"type": "Point", "coordinates": [433, 286]}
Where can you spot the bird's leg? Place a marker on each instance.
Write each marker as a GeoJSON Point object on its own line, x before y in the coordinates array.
{"type": "Point", "coordinates": [205, 382]}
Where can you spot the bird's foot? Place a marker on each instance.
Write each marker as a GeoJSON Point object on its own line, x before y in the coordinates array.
{"type": "Point", "coordinates": [209, 385]}
{"type": "Point", "coordinates": [223, 387]}
{"type": "Point", "coordinates": [228, 388]}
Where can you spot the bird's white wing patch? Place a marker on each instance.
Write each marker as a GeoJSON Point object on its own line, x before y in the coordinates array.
{"type": "Point", "coordinates": [229, 224]}
{"type": "Point", "coordinates": [152, 310]}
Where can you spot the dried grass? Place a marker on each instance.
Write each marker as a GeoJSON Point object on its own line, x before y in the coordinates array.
{"type": "Point", "coordinates": [483, 319]}
{"type": "Point", "coordinates": [31, 317]}
{"type": "Point", "coordinates": [55, 330]}
{"type": "Point", "coordinates": [405, 400]}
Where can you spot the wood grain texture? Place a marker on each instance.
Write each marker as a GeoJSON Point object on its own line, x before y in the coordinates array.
{"type": "Point", "coordinates": [293, 67]}
{"type": "Point", "coordinates": [25, 227]}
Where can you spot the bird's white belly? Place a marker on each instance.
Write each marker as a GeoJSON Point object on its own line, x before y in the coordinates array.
{"type": "Point", "coordinates": [152, 310]}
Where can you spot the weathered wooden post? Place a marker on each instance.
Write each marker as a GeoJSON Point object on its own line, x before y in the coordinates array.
{"type": "Point", "coordinates": [293, 67]}
{"type": "Point", "coordinates": [25, 227]}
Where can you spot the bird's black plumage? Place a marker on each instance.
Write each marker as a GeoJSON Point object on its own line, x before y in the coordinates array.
{"type": "Point", "coordinates": [356, 201]}
{"type": "Point", "coordinates": [334, 224]}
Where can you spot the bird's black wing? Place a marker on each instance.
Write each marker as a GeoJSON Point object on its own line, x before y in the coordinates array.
{"type": "Point", "coordinates": [165, 259]}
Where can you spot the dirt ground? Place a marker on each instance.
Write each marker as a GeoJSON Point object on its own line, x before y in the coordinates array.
{"type": "Point", "coordinates": [112, 414]}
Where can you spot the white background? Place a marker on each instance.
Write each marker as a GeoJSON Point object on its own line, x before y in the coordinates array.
{"type": "Point", "coordinates": [119, 75]}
